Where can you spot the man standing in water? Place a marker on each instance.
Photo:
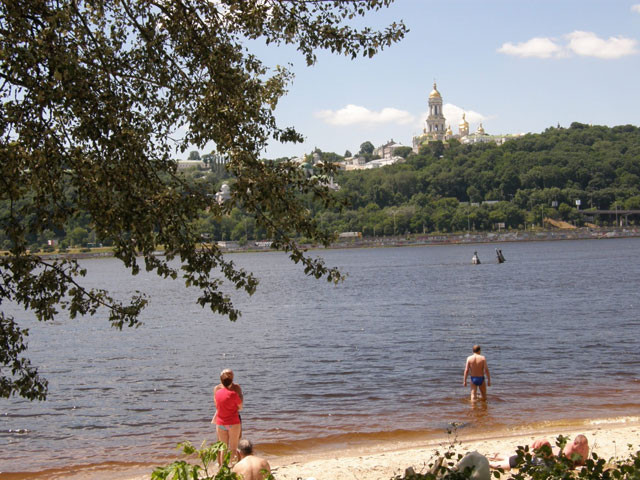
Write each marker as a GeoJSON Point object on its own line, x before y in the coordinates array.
{"type": "Point", "coordinates": [477, 368]}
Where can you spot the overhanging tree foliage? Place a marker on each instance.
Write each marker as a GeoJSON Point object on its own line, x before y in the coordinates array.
{"type": "Point", "coordinates": [92, 93]}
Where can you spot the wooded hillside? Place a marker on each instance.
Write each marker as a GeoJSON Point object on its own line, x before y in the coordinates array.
{"type": "Point", "coordinates": [450, 188]}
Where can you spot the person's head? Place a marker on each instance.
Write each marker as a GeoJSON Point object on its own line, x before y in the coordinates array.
{"type": "Point", "coordinates": [476, 349]}
{"type": "Point", "coordinates": [581, 440]}
{"type": "Point", "coordinates": [245, 447]}
{"type": "Point", "coordinates": [226, 377]}
{"type": "Point", "coordinates": [578, 450]}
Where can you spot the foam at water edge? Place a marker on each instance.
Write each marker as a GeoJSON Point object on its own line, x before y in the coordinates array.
{"type": "Point", "coordinates": [608, 421]}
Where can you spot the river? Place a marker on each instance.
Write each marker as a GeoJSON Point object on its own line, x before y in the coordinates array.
{"type": "Point", "coordinates": [377, 358]}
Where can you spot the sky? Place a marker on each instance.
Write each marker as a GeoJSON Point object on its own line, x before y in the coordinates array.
{"type": "Point", "coordinates": [516, 66]}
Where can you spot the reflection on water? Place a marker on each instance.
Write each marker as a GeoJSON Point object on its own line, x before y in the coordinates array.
{"type": "Point", "coordinates": [480, 414]}
{"type": "Point", "coordinates": [379, 357]}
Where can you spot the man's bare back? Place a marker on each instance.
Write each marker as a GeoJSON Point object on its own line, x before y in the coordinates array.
{"type": "Point", "coordinates": [250, 467]}
{"type": "Point", "coordinates": [476, 365]}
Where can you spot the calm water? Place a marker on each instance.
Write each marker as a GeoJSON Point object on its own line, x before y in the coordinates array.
{"type": "Point", "coordinates": [320, 365]}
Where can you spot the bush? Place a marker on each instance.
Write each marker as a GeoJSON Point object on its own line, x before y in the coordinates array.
{"type": "Point", "coordinates": [553, 468]}
{"type": "Point", "coordinates": [208, 456]}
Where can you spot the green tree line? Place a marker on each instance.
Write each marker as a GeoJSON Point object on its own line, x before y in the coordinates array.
{"type": "Point", "coordinates": [443, 188]}
{"type": "Point", "coordinates": [456, 187]}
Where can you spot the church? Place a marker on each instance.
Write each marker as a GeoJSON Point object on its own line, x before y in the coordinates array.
{"type": "Point", "coordinates": [436, 129]}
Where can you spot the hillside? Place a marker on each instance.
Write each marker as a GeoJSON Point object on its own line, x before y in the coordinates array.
{"type": "Point", "coordinates": [447, 188]}
{"type": "Point", "coordinates": [535, 176]}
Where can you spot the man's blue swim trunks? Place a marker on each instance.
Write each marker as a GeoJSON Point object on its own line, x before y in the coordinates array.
{"type": "Point", "coordinates": [477, 380]}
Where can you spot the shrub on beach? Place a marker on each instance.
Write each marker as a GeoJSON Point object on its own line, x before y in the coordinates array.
{"type": "Point", "coordinates": [552, 468]}
{"type": "Point", "coordinates": [561, 467]}
{"type": "Point", "coordinates": [443, 467]}
{"type": "Point", "coordinates": [208, 458]}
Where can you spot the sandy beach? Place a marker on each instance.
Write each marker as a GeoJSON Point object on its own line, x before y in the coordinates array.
{"type": "Point", "coordinates": [609, 438]}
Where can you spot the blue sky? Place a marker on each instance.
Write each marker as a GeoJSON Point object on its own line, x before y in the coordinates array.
{"type": "Point", "coordinates": [517, 66]}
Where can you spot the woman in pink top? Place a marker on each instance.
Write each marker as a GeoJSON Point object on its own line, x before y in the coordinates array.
{"type": "Point", "coordinates": [227, 397]}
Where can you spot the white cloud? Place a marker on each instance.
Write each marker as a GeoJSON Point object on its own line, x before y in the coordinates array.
{"type": "Point", "coordinates": [357, 115]}
{"type": "Point", "coordinates": [635, 8]}
{"type": "Point", "coordinates": [584, 44]}
{"type": "Point", "coordinates": [539, 47]}
{"type": "Point", "coordinates": [588, 44]}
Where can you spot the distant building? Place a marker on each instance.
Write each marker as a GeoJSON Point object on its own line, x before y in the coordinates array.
{"type": "Point", "coordinates": [353, 163]}
{"type": "Point", "coordinates": [480, 136]}
{"type": "Point", "coordinates": [387, 150]}
{"type": "Point", "coordinates": [224, 194]}
{"type": "Point", "coordinates": [185, 164]}
{"type": "Point", "coordinates": [435, 127]}
{"type": "Point", "coordinates": [435, 121]}
{"type": "Point", "coordinates": [383, 162]}
{"type": "Point", "coordinates": [360, 163]}
{"type": "Point", "coordinates": [463, 126]}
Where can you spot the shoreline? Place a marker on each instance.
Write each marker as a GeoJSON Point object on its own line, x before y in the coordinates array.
{"type": "Point", "coordinates": [468, 238]}
{"type": "Point", "coordinates": [608, 440]}
{"type": "Point", "coordinates": [608, 437]}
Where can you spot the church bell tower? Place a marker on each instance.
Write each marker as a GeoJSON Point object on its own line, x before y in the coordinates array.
{"type": "Point", "coordinates": [436, 128]}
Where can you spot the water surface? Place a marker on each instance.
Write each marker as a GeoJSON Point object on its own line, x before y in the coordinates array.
{"type": "Point", "coordinates": [379, 357]}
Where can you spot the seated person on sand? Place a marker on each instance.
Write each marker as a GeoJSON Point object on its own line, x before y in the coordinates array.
{"type": "Point", "coordinates": [250, 467]}
{"type": "Point", "coordinates": [541, 449]}
{"type": "Point", "coordinates": [577, 451]}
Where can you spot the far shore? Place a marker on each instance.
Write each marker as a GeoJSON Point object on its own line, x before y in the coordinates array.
{"type": "Point", "coordinates": [536, 235]}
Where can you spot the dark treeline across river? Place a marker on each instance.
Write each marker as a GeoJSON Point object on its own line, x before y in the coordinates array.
{"type": "Point", "coordinates": [377, 358]}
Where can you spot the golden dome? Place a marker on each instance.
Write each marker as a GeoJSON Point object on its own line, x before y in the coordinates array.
{"type": "Point", "coordinates": [463, 122]}
{"type": "Point", "coordinates": [449, 131]}
{"type": "Point", "coordinates": [434, 93]}
{"type": "Point", "coordinates": [480, 129]}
